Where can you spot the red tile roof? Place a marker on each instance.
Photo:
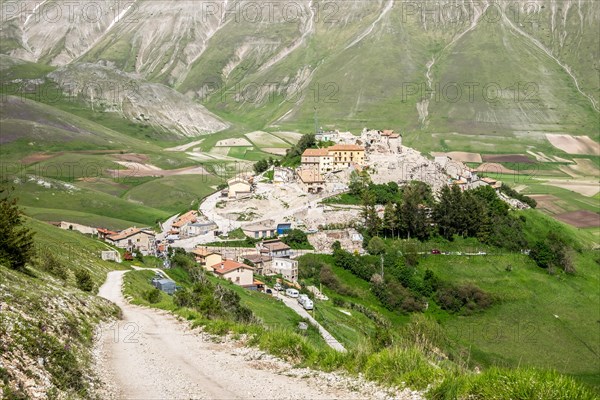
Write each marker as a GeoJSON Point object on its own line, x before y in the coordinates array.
{"type": "Point", "coordinates": [315, 152]}
{"type": "Point", "coordinates": [227, 266]}
{"type": "Point", "coordinates": [190, 216]}
{"type": "Point", "coordinates": [203, 252]}
{"type": "Point", "coordinates": [346, 147]}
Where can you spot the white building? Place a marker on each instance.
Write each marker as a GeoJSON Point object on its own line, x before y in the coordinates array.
{"type": "Point", "coordinates": [287, 267]}
{"type": "Point", "coordinates": [238, 187]}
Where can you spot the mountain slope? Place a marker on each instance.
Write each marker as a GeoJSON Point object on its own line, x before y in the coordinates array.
{"type": "Point", "coordinates": [358, 63]}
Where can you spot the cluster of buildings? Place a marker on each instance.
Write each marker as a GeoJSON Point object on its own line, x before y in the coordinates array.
{"type": "Point", "coordinates": [189, 225]}
{"type": "Point", "coordinates": [270, 257]}
{"type": "Point", "coordinates": [347, 152]}
{"type": "Point", "coordinates": [132, 239]}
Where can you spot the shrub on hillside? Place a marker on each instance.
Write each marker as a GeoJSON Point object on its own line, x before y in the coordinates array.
{"type": "Point", "coordinates": [465, 298]}
{"type": "Point", "coordinates": [152, 296]}
{"type": "Point", "coordinates": [54, 266]}
{"type": "Point", "coordinates": [329, 279]}
{"type": "Point", "coordinates": [84, 280]}
{"type": "Point", "coordinates": [553, 252]}
{"type": "Point", "coordinates": [181, 259]}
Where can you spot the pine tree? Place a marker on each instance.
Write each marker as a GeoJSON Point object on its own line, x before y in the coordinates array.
{"type": "Point", "coordinates": [369, 213]}
{"type": "Point", "coordinates": [390, 218]}
{"type": "Point", "coordinates": [16, 241]}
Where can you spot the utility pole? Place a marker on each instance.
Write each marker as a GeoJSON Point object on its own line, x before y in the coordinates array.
{"type": "Point", "coordinates": [316, 121]}
{"type": "Point", "coordinates": [381, 257]}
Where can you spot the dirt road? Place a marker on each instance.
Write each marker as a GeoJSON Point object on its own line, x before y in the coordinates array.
{"type": "Point", "coordinates": [151, 355]}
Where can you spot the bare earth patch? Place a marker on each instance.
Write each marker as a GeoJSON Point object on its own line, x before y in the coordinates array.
{"type": "Point", "coordinates": [292, 137]}
{"type": "Point", "coordinates": [574, 144]}
{"type": "Point", "coordinates": [586, 188]}
{"type": "Point", "coordinates": [580, 219]}
{"type": "Point", "coordinates": [499, 158]}
{"type": "Point", "coordinates": [134, 169]}
{"type": "Point", "coordinates": [38, 157]}
{"type": "Point", "coordinates": [275, 150]}
{"type": "Point", "coordinates": [547, 202]}
{"type": "Point", "coordinates": [494, 168]}
{"type": "Point", "coordinates": [462, 156]}
{"type": "Point", "coordinates": [582, 167]}
{"type": "Point", "coordinates": [184, 147]}
{"type": "Point", "coordinates": [234, 142]}
{"type": "Point", "coordinates": [132, 157]}
{"type": "Point", "coordinates": [265, 139]}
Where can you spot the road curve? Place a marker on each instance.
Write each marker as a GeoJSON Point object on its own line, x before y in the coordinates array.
{"type": "Point", "coordinates": [149, 354]}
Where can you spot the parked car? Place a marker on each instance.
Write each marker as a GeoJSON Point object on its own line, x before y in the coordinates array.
{"type": "Point", "coordinates": [269, 291]}
{"type": "Point", "coordinates": [308, 304]}
{"type": "Point", "coordinates": [277, 286]}
{"type": "Point", "coordinates": [302, 298]}
{"type": "Point", "coordinates": [292, 293]}
{"type": "Point", "coordinates": [436, 251]}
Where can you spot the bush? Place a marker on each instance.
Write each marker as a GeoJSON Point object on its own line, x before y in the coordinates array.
{"type": "Point", "coordinates": [181, 259]}
{"type": "Point", "coordinates": [329, 279]}
{"type": "Point", "coordinates": [152, 296]}
{"type": "Point", "coordinates": [84, 280]}
{"type": "Point", "coordinates": [54, 266]}
{"type": "Point", "coordinates": [466, 298]}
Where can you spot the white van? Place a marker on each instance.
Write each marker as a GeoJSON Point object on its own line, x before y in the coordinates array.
{"type": "Point", "coordinates": [308, 304]}
{"type": "Point", "coordinates": [292, 293]}
{"type": "Point", "coordinates": [302, 298]}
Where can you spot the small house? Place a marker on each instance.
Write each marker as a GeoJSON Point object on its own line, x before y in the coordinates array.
{"type": "Point", "coordinates": [134, 239]}
{"type": "Point", "coordinates": [258, 231]}
{"type": "Point", "coordinates": [275, 248]}
{"type": "Point", "coordinates": [236, 272]}
{"type": "Point", "coordinates": [197, 228]}
{"type": "Point", "coordinates": [311, 180]}
{"type": "Point", "coordinates": [238, 187]}
{"type": "Point", "coordinates": [206, 257]}
{"type": "Point", "coordinates": [261, 262]}
{"type": "Point", "coordinates": [285, 267]}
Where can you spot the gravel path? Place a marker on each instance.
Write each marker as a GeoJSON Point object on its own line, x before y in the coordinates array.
{"type": "Point", "coordinates": [149, 354]}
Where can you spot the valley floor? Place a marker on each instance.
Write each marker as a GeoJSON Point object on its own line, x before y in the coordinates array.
{"type": "Point", "coordinates": [149, 354]}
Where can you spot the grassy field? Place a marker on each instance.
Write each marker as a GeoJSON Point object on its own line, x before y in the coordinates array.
{"type": "Point", "coordinates": [537, 320]}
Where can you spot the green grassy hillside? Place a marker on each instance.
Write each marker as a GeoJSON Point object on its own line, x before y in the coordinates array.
{"type": "Point", "coordinates": [47, 324]}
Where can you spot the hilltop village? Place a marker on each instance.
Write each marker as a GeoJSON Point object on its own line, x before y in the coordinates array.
{"type": "Point", "coordinates": [264, 207]}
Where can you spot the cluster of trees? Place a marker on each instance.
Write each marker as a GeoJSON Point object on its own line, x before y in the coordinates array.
{"type": "Point", "coordinates": [293, 154]}
{"type": "Point", "coordinates": [407, 216]}
{"type": "Point", "coordinates": [477, 213]}
{"type": "Point", "coordinates": [264, 164]}
{"type": "Point", "coordinates": [397, 284]}
{"type": "Point", "coordinates": [296, 239]}
{"type": "Point", "coordinates": [412, 212]}
{"type": "Point", "coordinates": [553, 252]}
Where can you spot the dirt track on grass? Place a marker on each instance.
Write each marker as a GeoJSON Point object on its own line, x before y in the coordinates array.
{"type": "Point", "coordinates": [151, 355]}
